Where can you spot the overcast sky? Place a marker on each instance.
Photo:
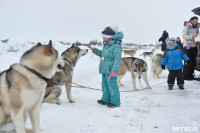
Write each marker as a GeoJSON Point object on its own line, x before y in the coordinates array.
{"type": "Point", "coordinates": [142, 21]}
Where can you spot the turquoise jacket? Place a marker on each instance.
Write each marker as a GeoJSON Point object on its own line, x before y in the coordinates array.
{"type": "Point", "coordinates": [111, 57]}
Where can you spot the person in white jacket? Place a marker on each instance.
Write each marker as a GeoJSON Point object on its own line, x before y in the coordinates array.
{"type": "Point", "coordinates": [190, 31]}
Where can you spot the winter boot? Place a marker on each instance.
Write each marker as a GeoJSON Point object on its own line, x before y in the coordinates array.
{"type": "Point", "coordinates": [198, 79]}
{"type": "Point", "coordinates": [110, 105]}
{"type": "Point", "coordinates": [181, 87]}
{"type": "Point", "coordinates": [101, 102]}
{"type": "Point", "coordinates": [198, 63]}
{"type": "Point", "coordinates": [170, 87]}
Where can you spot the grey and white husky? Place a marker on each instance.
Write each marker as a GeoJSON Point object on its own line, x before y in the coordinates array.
{"type": "Point", "coordinates": [137, 67]}
{"type": "Point", "coordinates": [150, 54]}
{"type": "Point", "coordinates": [130, 52]}
{"type": "Point", "coordinates": [23, 85]}
{"type": "Point", "coordinates": [70, 56]}
{"type": "Point", "coordinates": [156, 65]}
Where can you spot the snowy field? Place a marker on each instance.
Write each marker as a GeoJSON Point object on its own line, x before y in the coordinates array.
{"type": "Point", "coordinates": [145, 111]}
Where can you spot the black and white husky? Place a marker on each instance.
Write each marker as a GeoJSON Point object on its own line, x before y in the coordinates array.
{"type": "Point", "coordinates": [130, 52]}
{"type": "Point", "coordinates": [137, 67]}
{"type": "Point", "coordinates": [23, 85]}
{"type": "Point", "coordinates": [70, 56]}
{"type": "Point", "coordinates": [156, 68]}
{"type": "Point", "coordinates": [150, 54]}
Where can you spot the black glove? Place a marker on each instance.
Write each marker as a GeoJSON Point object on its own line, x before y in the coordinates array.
{"type": "Point", "coordinates": [187, 63]}
{"type": "Point", "coordinates": [163, 67]}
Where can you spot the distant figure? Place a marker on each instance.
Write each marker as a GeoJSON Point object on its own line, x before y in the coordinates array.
{"type": "Point", "coordinates": [5, 41]}
{"type": "Point", "coordinates": [178, 41]}
{"type": "Point", "coordinates": [163, 39]}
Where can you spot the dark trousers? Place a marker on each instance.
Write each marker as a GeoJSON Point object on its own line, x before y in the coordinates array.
{"type": "Point", "coordinates": [163, 47]}
{"type": "Point", "coordinates": [188, 70]}
{"type": "Point", "coordinates": [173, 74]}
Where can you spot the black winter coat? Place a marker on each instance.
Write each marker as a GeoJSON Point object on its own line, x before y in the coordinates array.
{"type": "Point", "coordinates": [180, 44]}
{"type": "Point", "coordinates": [163, 39]}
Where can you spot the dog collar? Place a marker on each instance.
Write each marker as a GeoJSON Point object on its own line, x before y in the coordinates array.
{"type": "Point", "coordinates": [67, 60]}
{"type": "Point", "coordinates": [48, 81]}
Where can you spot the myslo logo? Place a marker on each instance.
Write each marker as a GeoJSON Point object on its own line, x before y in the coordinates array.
{"type": "Point", "coordinates": [185, 129]}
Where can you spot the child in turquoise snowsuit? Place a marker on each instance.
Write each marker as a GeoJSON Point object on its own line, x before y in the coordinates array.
{"type": "Point", "coordinates": [109, 66]}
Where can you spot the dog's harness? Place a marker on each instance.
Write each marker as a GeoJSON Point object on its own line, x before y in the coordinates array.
{"type": "Point", "coordinates": [49, 81]}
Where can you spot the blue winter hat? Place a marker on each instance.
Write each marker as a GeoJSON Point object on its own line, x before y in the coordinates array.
{"type": "Point", "coordinates": [171, 41]}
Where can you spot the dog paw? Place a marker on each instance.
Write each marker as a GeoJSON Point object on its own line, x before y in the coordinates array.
{"type": "Point", "coordinates": [29, 130]}
{"type": "Point", "coordinates": [58, 102]}
{"type": "Point", "coordinates": [72, 101]}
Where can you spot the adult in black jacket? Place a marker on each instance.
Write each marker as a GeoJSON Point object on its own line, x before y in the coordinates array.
{"type": "Point", "coordinates": [178, 41]}
{"type": "Point", "coordinates": [163, 39]}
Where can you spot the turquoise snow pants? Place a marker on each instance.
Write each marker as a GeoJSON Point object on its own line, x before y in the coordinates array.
{"type": "Point", "coordinates": [110, 90]}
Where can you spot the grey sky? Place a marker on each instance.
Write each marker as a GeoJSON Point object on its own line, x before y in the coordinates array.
{"type": "Point", "coordinates": [142, 21]}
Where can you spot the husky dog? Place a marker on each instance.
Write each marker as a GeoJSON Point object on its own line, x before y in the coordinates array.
{"type": "Point", "coordinates": [130, 52]}
{"type": "Point", "coordinates": [156, 65]}
{"type": "Point", "coordinates": [150, 54]}
{"type": "Point", "coordinates": [137, 67]}
{"type": "Point", "coordinates": [70, 56]}
{"type": "Point", "coordinates": [23, 85]}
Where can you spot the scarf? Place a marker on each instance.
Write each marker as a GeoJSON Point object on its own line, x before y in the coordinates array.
{"type": "Point", "coordinates": [190, 32]}
{"type": "Point", "coordinates": [111, 42]}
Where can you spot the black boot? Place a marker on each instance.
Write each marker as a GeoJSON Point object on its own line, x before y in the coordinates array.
{"type": "Point", "coordinates": [110, 105]}
{"type": "Point", "coordinates": [101, 102]}
{"type": "Point", "coordinates": [181, 87]}
{"type": "Point", "coordinates": [170, 87]}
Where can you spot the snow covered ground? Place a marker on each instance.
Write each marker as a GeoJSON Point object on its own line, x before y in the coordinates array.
{"type": "Point", "coordinates": [146, 111]}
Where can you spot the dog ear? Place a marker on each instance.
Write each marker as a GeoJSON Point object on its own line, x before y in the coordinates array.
{"type": "Point", "coordinates": [75, 48]}
{"type": "Point", "coordinates": [49, 49]}
{"type": "Point", "coordinates": [39, 44]}
{"type": "Point", "coordinates": [73, 45]}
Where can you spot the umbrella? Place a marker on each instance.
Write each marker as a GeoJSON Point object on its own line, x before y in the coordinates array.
{"type": "Point", "coordinates": [196, 11]}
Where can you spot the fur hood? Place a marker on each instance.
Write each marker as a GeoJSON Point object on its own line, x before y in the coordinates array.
{"type": "Point", "coordinates": [187, 23]}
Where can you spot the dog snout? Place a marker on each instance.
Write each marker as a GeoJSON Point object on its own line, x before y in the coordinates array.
{"type": "Point", "coordinates": [85, 52]}
{"type": "Point", "coordinates": [59, 66]}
